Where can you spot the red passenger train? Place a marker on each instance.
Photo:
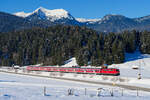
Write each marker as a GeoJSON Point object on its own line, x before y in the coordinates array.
{"type": "Point", "coordinates": [97, 71]}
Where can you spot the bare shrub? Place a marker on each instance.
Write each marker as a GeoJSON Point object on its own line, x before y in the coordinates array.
{"type": "Point", "coordinates": [104, 78]}
{"type": "Point", "coordinates": [10, 69]}
{"type": "Point", "coordinates": [114, 79]}
{"type": "Point", "coordinates": [28, 71]}
{"type": "Point", "coordinates": [24, 70]}
{"type": "Point", "coordinates": [37, 72]}
{"type": "Point", "coordinates": [84, 76]}
{"type": "Point", "coordinates": [53, 74]}
{"type": "Point", "coordinates": [16, 70]}
{"type": "Point", "coordinates": [61, 74]}
{"type": "Point", "coordinates": [91, 76]}
{"type": "Point", "coordinates": [122, 79]}
{"type": "Point", "coordinates": [75, 75]}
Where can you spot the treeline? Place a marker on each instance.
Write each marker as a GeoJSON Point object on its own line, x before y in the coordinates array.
{"type": "Point", "coordinates": [54, 45]}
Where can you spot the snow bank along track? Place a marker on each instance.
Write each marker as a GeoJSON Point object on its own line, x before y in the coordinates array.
{"type": "Point", "coordinates": [85, 81]}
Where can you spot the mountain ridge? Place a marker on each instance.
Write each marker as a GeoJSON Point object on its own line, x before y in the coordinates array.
{"type": "Point", "coordinates": [54, 14]}
{"type": "Point", "coordinates": [109, 23]}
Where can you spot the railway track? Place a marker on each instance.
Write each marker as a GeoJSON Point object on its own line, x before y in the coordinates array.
{"type": "Point", "coordinates": [85, 81]}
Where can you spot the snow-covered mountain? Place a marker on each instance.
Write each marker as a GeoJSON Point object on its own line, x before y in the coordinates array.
{"type": "Point", "coordinates": [114, 23]}
{"type": "Point", "coordinates": [83, 20]}
{"type": "Point", "coordinates": [53, 15]}
{"type": "Point", "coordinates": [142, 18]}
{"type": "Point", "coordinates": [42, 17]}
{"type": "Point", "coordinates": [45, 14]}
{"type": "Point", "coordinates": [22, 14]}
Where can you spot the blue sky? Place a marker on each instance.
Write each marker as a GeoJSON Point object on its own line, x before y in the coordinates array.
{"type": "Point", "coordinates": [82, 8]}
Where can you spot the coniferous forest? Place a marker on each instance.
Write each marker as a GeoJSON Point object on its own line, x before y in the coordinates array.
{"type": "Point", "coordinates": [56, 44]}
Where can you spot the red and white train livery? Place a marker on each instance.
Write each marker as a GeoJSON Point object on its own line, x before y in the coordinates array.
{"type": "Point", "coordinates": [98, 71]}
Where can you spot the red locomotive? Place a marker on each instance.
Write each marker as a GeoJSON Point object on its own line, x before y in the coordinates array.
{"type": "Point", "coordinates": [98, 71]}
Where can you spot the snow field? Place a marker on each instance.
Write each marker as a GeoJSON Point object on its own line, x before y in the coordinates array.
{"type": "Point", "coordinates": [89, 77]}
{"type": "Point", "coordinates": [20, 87]}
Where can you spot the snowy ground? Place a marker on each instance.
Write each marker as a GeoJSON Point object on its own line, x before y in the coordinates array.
{"type": "Point", "coordinates": [20, 87]}
{"type": "Point", "coordinates": [127, 73]}
{"type": "Point", "coordinates": [143, 63]}
{"type": "Point", "coordinates": [135, 59]}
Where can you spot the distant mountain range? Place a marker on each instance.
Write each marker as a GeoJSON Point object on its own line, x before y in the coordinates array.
{"type": "Point", "coordinates": [42, 17]}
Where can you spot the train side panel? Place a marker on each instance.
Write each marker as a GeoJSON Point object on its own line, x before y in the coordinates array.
{"type": "Point", "coordinates": [109, 71]}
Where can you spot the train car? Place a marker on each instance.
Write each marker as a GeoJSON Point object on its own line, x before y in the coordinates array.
{"type": "Point", "coordinates": [98, 71]}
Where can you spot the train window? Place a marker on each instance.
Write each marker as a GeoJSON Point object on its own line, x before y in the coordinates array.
{"type": "Point", "coordinates": [97, 70]}
{"type": "Point", "coordinates": [117, 70]}
{"type": "Point", "coordinates": [105, 69]}
{"type": "Point", "coordinates": [109, 69]}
